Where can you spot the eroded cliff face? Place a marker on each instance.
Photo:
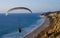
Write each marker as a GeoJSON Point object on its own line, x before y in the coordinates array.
{"type": "Point", "coordinates": [53, 31]}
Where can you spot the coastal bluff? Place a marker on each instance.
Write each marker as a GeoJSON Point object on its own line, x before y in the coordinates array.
{"type": "Point", "coordinates": [53, 30]}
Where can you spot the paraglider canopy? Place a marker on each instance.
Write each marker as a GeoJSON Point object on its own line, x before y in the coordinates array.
{"type": "Point", "coordinates": [18, 8]}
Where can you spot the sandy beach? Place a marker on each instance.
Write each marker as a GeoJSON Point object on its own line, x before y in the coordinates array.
{"type": "Point", "coordinates": [37, 30]}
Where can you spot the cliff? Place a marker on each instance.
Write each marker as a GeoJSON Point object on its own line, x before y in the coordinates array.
{"type": "Point", "coordinates": [53, 30]}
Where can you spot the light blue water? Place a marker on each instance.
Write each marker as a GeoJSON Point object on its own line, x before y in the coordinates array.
{"type": "Point", "coordinates": [9, 24]}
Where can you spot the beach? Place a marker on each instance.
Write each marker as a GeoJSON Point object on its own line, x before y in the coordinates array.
{"type": "Point", "coordinates": [37, 30]}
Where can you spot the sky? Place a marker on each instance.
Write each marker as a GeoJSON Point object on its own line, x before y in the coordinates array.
{"type": "Point", "coordinates": [34, 5]}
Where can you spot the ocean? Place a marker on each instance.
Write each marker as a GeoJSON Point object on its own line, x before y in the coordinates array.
{"type": "Point", "coordinates": [9, 24]}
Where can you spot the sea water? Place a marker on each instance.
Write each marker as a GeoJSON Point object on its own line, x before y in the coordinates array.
{"type": "Point", "coordinates": [9, 24]}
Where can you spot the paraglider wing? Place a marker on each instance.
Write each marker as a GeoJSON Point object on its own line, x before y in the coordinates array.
{"type": "Point", "coordinates": [16, 8]}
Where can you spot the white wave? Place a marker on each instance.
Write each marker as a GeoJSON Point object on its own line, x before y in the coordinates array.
{"type": "Point", "coordinates": [12, 35]}
{"type": "Point", "coordinates": [24, 30]}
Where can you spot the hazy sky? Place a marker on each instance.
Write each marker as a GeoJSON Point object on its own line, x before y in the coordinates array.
{"type": "Point", "coordinates": [34, 5]}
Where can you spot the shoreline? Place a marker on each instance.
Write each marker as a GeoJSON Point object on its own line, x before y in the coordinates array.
{"type": "Point", "coordinates": [33, 29]}
{"type": "Point", "coordinates": [37, 29]}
